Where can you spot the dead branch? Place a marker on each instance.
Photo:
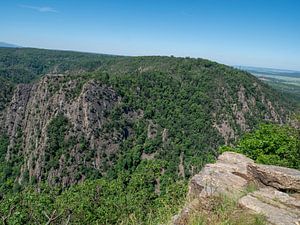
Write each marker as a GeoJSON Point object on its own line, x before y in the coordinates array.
{"type": "Point", "coordinates": [52, 217]}
{"type": "Point", "coordinates": [5, 218]}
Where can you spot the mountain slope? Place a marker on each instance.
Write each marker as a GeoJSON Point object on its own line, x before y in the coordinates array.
{"type": "Point", "coordinates": [129, 109]}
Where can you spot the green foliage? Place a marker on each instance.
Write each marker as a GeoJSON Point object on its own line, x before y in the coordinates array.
{"type": "Point", "coordinates": [26, 65]}
{"type": "Point", "coordinates": [271, 144]}
{"type": "Point", "coordinates": [5, 170]}
{"type": "Point", "coordinates": [4, 142]}
{"type": "Point", "coordinates": [125, 200]}
{"type": "Point", "coordinates": [5, 92]}
{"type": "Point", "coordinates": [10, 168]}
{"type": "Point", "coordinates": [225, 210]}
{"type": "Point", "coordinates": [57, 145]}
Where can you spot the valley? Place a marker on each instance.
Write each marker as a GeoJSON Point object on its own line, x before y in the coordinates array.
{"type": "Point", "coordinates": [93, 138]}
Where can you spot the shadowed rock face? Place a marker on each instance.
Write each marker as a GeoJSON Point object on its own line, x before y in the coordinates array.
{"type": "Point", "coordinates": [276, 197]}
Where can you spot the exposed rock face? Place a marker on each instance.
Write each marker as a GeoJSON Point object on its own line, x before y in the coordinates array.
{"type": "Point", "coordinates": [276, 196]}
{"type": "Point", "coordinates": [152, 130]}
{"type": "Point", "coordinates": [14, 115]}
{"type": "Point", "coordinates": [85, 105]}
{"type": "Point", "coordinates": [242, 107]}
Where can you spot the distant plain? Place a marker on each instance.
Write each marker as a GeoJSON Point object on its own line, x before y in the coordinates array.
{"type": "Point", "coordinates": [286, 81]}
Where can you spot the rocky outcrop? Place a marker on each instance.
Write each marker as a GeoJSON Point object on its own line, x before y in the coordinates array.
{"type": "Point", "coordinates": [276, 193]}
{"type": "Point", "coordinates": [229, 175]}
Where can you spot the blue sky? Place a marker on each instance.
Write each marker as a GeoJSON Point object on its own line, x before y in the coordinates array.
{"type": "Point", "coordinates": [237, 32]}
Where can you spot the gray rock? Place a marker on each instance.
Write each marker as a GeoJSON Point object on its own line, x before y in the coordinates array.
{"type": "Point", "coordinates": [227, 176]}
{"type": "Point", "coordinates": [279, 199]}
{"type": "Point", "coordinates": [275, 215]}
{"type": "Point", "coordinates": [275, 176]}
{"type": "Point", "coordinates": [232, 174]}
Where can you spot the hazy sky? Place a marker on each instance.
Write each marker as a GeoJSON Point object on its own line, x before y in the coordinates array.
{"type": "Point", "coordinates": [236, 32]}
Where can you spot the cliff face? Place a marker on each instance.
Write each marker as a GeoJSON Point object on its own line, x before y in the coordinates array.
{"type": "Point", "coordinates": [30, 115]}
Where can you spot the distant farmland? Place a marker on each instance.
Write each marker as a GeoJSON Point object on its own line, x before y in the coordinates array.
{"type": "Point", "coordinates": [286, 81]}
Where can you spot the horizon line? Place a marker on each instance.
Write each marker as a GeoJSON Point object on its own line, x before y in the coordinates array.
{"type": "Point", "coordinates": [141, 55]}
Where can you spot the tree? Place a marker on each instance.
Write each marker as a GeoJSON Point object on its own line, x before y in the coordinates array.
{"type": "Point", "coordinates": [271, 144]}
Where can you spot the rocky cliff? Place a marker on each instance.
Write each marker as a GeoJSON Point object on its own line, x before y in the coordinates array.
{"type": "Point", "coordinates": [63, 130]}
{"type": "Point", "coordinates": [276, 195]}
{"type": "Point", "coordinates": [86, 144]}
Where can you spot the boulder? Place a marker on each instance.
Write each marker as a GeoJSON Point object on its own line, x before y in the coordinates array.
{"type": "Point", "coordinates": [216, 179]}
{"type": "Point", "coordinates": [234, 158]}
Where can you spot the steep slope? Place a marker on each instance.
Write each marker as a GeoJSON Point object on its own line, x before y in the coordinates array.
{"type": "Point", "coordinates": [65, 128]}
{"type": "Point", "coordinates": [51, 131]}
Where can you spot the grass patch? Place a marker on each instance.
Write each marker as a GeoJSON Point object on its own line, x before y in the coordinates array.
{"type": "Point", "coordinates": [223, 210]}
{"type": "Point", "coordinates": [251, 187]}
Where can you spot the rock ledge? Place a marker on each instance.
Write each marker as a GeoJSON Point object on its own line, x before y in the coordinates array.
{"type": "Point", "coordinates": [276, 196]}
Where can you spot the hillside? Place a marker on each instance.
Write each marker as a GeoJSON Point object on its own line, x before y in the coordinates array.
{"type": "Point", "coordinates": [142, 125]}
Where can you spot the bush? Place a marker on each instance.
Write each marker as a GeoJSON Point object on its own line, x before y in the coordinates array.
{"type": "Point", "coordinates": [271, 144]}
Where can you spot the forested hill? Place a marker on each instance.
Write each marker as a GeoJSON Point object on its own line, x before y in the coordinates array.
{"type": "Point", "coordinates": [134, 126]}
{"type": "Point", "coordinates": [23, 65]}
